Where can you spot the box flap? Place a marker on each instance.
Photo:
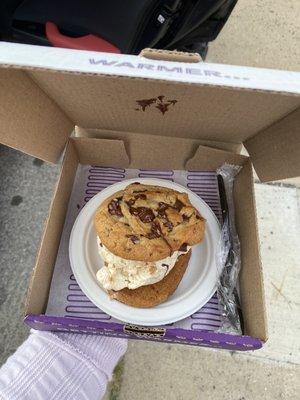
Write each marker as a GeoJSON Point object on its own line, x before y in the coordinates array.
{"type": "Point", "coordinates": [179, 99]}
{"type": "Point", "coordinates": [162, 108]}
{"type": "Point", "coordinates": [132, 149]}
{"type": "Point", "coordinates": [213, 158]}
{"type": "Point", "coordinates": [30, 120]}
{"type": "Point", "coordinates": [39, 286]}
{"type": "Point", "coordinates": [170, 55]}
{"type": "Point", "coordinates": [275, 151]}
{"type": "Point", "coordinates": [149, 139]}
{"type": "Point", "coordinates": [88, 152]}
{"type": "Point", "coordinates": [251, 274]}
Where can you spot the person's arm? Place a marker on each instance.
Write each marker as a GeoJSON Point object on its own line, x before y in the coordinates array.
{"type": "Point", "coordinates": [64, 366]}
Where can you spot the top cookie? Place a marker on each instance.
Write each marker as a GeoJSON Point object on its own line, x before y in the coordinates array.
{"type": "Point", "coordinates": [148, 223]}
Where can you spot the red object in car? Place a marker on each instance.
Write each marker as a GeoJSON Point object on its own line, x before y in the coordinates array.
{"type": "Point", "coordinates": [88, 42]}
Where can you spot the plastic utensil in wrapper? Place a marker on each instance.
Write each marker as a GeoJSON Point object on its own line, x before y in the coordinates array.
{"type": "Point", "coordinates": [228, 255]}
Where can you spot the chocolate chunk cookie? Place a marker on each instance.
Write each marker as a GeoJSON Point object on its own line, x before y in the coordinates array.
{"type": "Point", "coordinates": [148, 223]}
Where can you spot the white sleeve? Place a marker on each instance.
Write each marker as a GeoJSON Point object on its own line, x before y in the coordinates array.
{"type": "Point", "coordinates": [64, 366]}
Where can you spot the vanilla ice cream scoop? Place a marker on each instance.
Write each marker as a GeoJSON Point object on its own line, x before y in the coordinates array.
{"type": "Point", "coordinates": [119, 273]}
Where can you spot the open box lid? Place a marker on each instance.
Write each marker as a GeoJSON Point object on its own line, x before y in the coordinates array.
{"type": "Point", "coordinates": [45, 92]}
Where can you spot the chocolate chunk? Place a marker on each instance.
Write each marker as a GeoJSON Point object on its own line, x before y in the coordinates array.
{"type": "Point", "coordinates": [161, 214]}
{"type": "Point", "coordinates": [183, 247]}
{"type": "Point", "coordinates": [178, 205]}
{"type": "Point", "coordinates": [140, 196]}
{"type": "Point", "coordinates": [145, 214]}
{"type": "Point", "coordinates": [198, 216]}
{"type": "Point", "coordinates": [162, 206]}
{"type": "Point", "coordinates": [168, 225]}
{"type": "Point", "coordinates": [162, 209]}
{"type": "Point", "coordinates": [136, 183]}
{"type": "Point", "coordinates": [155, 231]}
{"type": "Point", "coordinates": [151, 235]}
{"type": "Point", "coordinates": [133, 238]}
{"type": "Point", "coordinates": [130, 202]}
{"type": "Point", "coordinates": [133, 211]}
{"type": "Point", "coordinates": [185, 217]}
{"type": "Point", "coordinates": [114, 208]}
{"type": "Point", "coordinates": [156, 228]}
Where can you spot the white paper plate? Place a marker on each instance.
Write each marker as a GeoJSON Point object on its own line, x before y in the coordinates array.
{"type": "Point", "coordinates": [195, 289]}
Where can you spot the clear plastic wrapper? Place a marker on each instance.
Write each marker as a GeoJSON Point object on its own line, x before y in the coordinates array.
{"type": "Point", "coordinates": [229, 255]}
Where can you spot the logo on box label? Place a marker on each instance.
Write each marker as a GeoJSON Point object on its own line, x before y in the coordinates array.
{"type": "Point", "coordinates": [159, 102]}
{"type": "Point", "coordinates": [178, 69]}
{"type": "Point", "coordinates": [142, 331]}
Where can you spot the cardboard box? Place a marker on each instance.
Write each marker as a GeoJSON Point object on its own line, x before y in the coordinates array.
{"type": "Point", "coordinates": [205, 113]}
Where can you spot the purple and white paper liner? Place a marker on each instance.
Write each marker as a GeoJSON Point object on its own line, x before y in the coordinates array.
{"type": "Point", "coordinates": [66, 298]}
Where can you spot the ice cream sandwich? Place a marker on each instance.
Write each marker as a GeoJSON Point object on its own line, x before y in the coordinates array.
{"type": "Point", "coordinates": [145, 238]}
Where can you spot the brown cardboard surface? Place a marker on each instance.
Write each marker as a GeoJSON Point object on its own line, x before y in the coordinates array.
{"type": "Point", "coordinates": [170, 55]}
{"type": "Point", "coordinates": [199, 111]}
{"type": "Point", "coordinates": [30, 120]}
{"type": "Point", "coordinates": [38, 110]}
{"type": "Point", "coordinates": [138, 137]}
{"type": "Point", "coordinates": [106, 152]}
{"type": "Point", "coordinates": [164, 153]}
{"type": "Point", "coordinates": [251, 274]}
{"type": "Point", "coordinates": [213, 158]}
{"type": "Point", "coordinates": [161, 152]}
{"type": "Point", "coordinates": [275, 151]}
{"type": "Point", "coordinates": [157, 152]}
{"type": "Point", "coordinates": [42, 274]}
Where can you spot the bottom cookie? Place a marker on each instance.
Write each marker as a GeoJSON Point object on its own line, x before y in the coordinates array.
{"type": "Point", "coordinates": [157, 293]}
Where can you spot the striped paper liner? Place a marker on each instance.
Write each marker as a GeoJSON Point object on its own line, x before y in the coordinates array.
{"type": "Point", "coordinates": [89, 181]}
